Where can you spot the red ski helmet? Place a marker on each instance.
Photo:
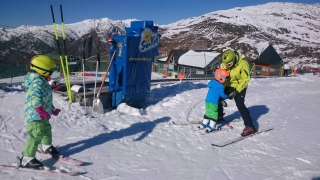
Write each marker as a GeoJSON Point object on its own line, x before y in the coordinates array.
{"type": "Point", "coordinates": [221, 75]}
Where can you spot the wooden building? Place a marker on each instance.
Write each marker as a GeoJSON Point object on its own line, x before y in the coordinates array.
{"type": "Point", "coordinates": [189, 63]}
{"type": "Point", "coordinates": [269, 63]}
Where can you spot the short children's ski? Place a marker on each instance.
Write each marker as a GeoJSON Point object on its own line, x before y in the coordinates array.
{"type": "Point", "coordinates": [225, 127]}
{"type": "Point", "coordinates": [46, 170]}
{"type": "Point", "coordinates": [240, 138]}
{"type": "Point", "coordinates": [66, 160]}
{"type": "Point", "coordinates": [186, 122]}
{"type": "Point", "coordinates": [56, 172]}
{"type": "Point", "coordinates": [199, 122]}
{"type": "Point", "coordinates": [218, 127]}
{"type": "Point", "coordinates": [205, 132]}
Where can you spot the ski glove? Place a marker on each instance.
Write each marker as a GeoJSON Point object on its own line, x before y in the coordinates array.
{"type": "Point", "coordinates": [42, 113]}
{"type": "Point", "coordinates": [232, 95]}
{"type": "Point", "coordinates": [56, 111]}
{"type": "Point", "coordinates": [224, 104]}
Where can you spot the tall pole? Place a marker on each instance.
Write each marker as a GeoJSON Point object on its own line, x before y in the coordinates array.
{"type": "Point", "coordinates": [61, 59]}
{"type": "Point", "coordinates": [65, 56]}
{"type": "Point", "coordinates": [205, 63]}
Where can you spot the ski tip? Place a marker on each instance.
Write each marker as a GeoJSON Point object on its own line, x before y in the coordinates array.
{"type": "Point", "coordinates": [217, 145]}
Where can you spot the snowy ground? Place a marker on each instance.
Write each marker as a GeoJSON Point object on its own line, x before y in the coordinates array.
{"type": "Point", "coordinates": [130, 144]}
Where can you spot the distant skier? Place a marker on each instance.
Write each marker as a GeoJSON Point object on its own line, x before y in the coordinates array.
{"type": "Point", "coordinates": [215, 92]}
{"type": "Point", "coordinates": [38, 110]}
{"type": "Point", "coordinates": [236, 86]}
{"type": "Point", "coordinates": [286, 68]}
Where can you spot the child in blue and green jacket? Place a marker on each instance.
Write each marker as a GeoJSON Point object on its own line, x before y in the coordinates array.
{"type": "Point", "coordinates": [214, 95]}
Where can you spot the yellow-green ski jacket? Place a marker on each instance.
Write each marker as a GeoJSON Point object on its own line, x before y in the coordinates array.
{"type": "Point", "coordinates": [239, 74]}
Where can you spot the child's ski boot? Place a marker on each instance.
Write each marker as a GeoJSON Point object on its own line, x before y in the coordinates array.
{"type": "Point", "coordinates": [212, 126]}
{"type": "Point", "coordinates": [204, 124]}
{"type": "Point", "coordinates": [49, 149]}
{"type": "Point", "coordinates": [30, 162]}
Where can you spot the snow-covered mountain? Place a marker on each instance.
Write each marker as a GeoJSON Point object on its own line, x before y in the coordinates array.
{"type": "Point", "coordinates": [21, 43]}
{"type": "Point", "coordinates": [292, 28]}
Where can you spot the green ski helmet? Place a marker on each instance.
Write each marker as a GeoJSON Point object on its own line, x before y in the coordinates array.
{"type": "Point", "coordinates": [43, 65]}
{"type": "Point", "coordinates": [229, 58]}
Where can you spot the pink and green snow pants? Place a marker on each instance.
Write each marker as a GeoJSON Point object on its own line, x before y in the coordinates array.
{"type": "Point", "coordinates": [39, 132]}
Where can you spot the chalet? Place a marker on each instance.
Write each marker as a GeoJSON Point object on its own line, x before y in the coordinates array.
{"type": "Point", "coordinates": [188, 63]}
{"type": "Point", "coordinates": [269, 63]}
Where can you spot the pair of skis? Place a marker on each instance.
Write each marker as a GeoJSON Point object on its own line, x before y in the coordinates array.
{"type": "Point", "coordinates": [65, 160]}
{"type": "Point", "coordinates": [219, 124]}
{"type": "Point", "coordinates": [55, 172]}
{"type": "Point", "coordinates": [226, 123]}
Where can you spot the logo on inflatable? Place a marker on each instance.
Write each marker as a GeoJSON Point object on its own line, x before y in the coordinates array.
{"type": "Point", "coordinates": [149, 40]}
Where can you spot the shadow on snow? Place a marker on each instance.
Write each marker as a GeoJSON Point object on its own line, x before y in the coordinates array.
{"type": "Point", "coordinates": [255, 111]}
{"type": "Point", "coordinates": [145, 127]}
{"type": "Point", "coordinates": [158, 94]}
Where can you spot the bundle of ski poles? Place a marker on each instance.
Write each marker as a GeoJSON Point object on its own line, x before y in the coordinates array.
{"type": "Point", "coordinates": [65, 63]}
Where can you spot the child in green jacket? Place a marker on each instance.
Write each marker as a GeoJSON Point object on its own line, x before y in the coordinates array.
{"type": "Point", "coordinates": [38, 110]}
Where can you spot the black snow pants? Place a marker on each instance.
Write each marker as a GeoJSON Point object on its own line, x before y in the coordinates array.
{"type": "Point", "coordinates": [239, 100]}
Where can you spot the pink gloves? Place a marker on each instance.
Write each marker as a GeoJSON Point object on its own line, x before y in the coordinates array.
{"type": "Point", "coordinates": [56, 111]}
{"type": "Point", "coordinates": [42, 113]}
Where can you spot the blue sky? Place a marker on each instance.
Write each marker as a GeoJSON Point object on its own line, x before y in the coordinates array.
{"type": "Point", "coordinates": [14, 13]}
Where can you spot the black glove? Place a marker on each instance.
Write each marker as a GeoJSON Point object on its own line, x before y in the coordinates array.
{"type": "Point", "coordinates": [232, 94]}
{"type": "Point", "coordinates": [224, 104]}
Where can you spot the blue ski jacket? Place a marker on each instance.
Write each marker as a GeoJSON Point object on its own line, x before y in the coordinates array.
{"type": "Point", "coordinates": [39, 93]}
{"type": "Point", "coordinates": [216, 90]}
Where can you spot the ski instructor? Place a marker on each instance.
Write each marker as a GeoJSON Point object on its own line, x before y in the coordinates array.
{"type": "Point", "coordinates": [38, 110]}
{"type": "Point", "coordinates": [236, 86]}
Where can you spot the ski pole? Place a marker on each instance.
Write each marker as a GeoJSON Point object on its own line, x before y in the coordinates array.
{"type": "Point", "coordinates": [65, 55]}
{"type": "Point", "coordinates": [58, 44]}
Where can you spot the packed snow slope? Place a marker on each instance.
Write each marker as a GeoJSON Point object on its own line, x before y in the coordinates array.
{"type": "Point", "coordinates": [129, 143]}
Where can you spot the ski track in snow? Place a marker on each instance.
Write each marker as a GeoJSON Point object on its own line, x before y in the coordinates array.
{"type": "Point", "coordinates": [130, 143]}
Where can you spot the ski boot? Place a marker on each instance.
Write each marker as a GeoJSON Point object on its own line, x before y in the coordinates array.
{"type": "Point", "coordinates": [248, 130]}
{"type": "Point", "coordinates": [212, 126]}
{"type": "Point", "coordinates": [30, 162]}
{"type": "Point", "coordinates": [49, 149]}
{"type": "Point", "coordinates": [204, 124]}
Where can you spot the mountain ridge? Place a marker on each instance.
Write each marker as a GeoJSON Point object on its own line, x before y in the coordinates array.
{"type": "Point", "coordinates": [292, 28]}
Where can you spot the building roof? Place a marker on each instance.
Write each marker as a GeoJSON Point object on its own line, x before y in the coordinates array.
{"type": "Point", "coordinates": [268, 56]}
{"type": "Point", "coordinates": [198, 58]}
{"type": "Point", "coordinates": [163, 59]}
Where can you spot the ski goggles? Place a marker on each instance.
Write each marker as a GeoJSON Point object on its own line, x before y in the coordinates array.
{"type": "Point", "coordinates": [50, 72]}
{"type": "Point", "coordinates": [230, 64]}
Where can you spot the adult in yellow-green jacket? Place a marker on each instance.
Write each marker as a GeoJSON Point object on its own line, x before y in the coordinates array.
{"type": "Point", "coordinates": [236, 86]}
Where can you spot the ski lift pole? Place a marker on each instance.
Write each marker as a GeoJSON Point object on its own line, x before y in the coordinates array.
{"type": "Point", "coordinates": [281, 69]}
{"type": "Point", "coordinates": [205, 63]}
{"type": "Point", "coordinates": [84, 86]}
{"type": "Point", "coordinates": [252, 69]}
{"type": "Point", "coordinates": [58, 44]}
{"type": "Point", "coordinates": [65, 56]}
